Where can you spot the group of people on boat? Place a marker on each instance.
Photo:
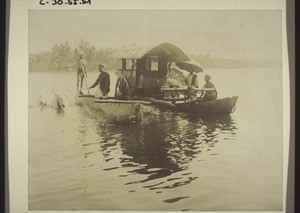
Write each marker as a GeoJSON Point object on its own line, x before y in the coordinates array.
{"type": "Point", "coordinates": [210, 92]}
{"type": "Point", "coordinates": [103, 82]}
{"type": "Point", "coordinates": [190, 81]}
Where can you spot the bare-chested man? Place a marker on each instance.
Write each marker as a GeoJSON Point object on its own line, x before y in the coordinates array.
{"type": "Point", "coordinates": [81, 72]}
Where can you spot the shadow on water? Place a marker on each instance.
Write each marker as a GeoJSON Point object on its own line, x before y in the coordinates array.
{"type": "Point", "coordinates": [165, 143]}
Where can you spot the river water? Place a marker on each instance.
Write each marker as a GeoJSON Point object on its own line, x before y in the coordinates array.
{"type": "Point", "coordinates": [170, 161]}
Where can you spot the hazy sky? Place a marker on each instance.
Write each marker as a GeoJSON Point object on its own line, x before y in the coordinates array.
{"type": "Point", "coordinates": [226, 34]}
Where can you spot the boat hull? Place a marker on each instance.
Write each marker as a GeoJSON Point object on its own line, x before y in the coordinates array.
{"type": "Point", "coordinates": [113, 110]}
{"type": "Point", "coordinates": [219, 106]}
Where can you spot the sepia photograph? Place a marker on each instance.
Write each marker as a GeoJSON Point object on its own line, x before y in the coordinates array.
{"type": "Point", "coordinates": [155, 110]}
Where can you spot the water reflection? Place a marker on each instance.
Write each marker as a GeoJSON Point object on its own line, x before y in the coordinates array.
{"type": "Point", "coordinates": [164, 144]}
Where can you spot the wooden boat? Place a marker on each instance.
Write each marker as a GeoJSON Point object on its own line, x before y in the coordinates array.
{"type": "Point", "coordinates": [178, 96]}
{"type": "Point", "coordinates": [218, 106]}
{"type": "Point", "coordinates": [114, 110]}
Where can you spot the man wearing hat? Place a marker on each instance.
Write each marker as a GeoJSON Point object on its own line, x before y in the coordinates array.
{"type": "Point", "coordinates": [103, 83]}
{"type": "Point", "coordinates": [81, 72]}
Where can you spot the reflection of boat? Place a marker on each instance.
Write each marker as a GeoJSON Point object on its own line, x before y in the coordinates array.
{"type": "Point", "coordinates": [115, 110]}
{"type": "Point", "coordinates": [157, 153]}
{"type": "Point", "coordinates": [219, 106]}
{"type": "Point", "coordinates": [165, 143]}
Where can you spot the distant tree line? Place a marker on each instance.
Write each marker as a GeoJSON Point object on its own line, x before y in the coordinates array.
{"type": "Point", "coordinates": [63, 58]}
{"type": "Point", "coordinates": [211, 62]}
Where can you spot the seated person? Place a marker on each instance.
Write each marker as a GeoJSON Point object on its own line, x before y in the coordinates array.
{"type": "Point", "coordinates": [192, 83]}
{"type": "Point", "coordinates": [212, 93]}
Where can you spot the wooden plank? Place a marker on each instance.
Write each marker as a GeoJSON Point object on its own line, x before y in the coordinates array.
{"type": "Point", "coordinates": [92, 96]}
{"type": "Point", "coordinates": [175, 99]}
{"type": "Point", "coordinates": [185, 89]}
{"type": "Point", "coordinates": [121, 101]}
{"type": "Point", "coordinates": [83, 96]}
{"type": "Point", "coordinates": [174, 89]}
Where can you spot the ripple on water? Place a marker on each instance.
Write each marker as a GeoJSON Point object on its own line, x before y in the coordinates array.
{"type": "Point", "coordinates": [176, 199]}
{"type": "Point", "coordinates": [155, 169]}
{"type": "Point", "coordinates": [150, 186]}
{"type": "Point", "coordinates": [176, 184]}
{"type": "Point", "coordinates": [112, 168]}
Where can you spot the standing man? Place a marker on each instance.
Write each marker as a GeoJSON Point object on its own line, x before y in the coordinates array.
{"type": "Point", "coordinates": [103, 83]}
{"type": "Point", "coordinates": [81, 72]}
{"type": "Point", "coordinates": [192, 83]}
